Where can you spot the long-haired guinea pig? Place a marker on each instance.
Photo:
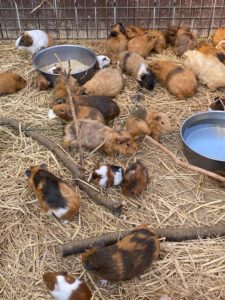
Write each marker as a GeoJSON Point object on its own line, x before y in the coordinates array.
{"type": "Point", "coordinates": [143, 44]}
{"type": "Point", "coordinates": [34, 40]}
{"type": "Point", "coordinates": [218, 39]}
{"type": "Point", "coordinates": [109, 108]}
{"type": "Point", "coordinates": [63, 111]}
{"type": "Point", "coordinates": [208, 49]}
{"type": "Point", "coordinates": [160, 44]}
{"type": "Point", "coordinates": [60, 90]}
{"type": "Point", "coordinates": [106, 82]}
{"type": "Point", "coordinates": [106, 175]}
{"type": "Point", "coordinates": [93, 134]}
{"type": "Point", "coordinates": [180, 81]}
{"type": "Point", "coordinates": [148, 122]}
{"type": "Point", "coordinates": [218, 104]}
{"type": "Point", "coordinates": [135, 65]}
{"type": "Point", "coordinates": [116, 42]}
{"type": "Point", "coordinates": [135, 179]}
{"type": "Point", "coordinates": [134, 31]}
{"type": "Point", "coordinates": [53, 194]}
{"type": "Point", "coordinates": [64, 287]}
{"type": "Point", "coordinates": [126, 259]}
{"type": "Point", "coordinates": [10, 83]}
{"type": "Point", "coordinates": [41, 82]}
{"type": "Point", "coordinates": [102, 61]}
{"type": "Point", "coordinates": [207, 68]}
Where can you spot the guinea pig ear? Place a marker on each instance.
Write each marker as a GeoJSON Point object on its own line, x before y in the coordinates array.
{"type": "Point", "coordinates": [28, 172]}
{"type": "Point", "coordinates": [113, 34]}
{"type": "Point", "coordinates": [122, 29]}
{"type": "Point", "coordinates": [156, 66]}
{"type": "Point", "coordinates": [157, 118]}
{"type": "Point", "coordinates": [44, 166]}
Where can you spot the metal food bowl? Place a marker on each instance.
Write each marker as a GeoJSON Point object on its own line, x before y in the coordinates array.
{"type": "Point", "coordinates": [203, 136]}
{"type": "Point", "coordinates": [65, 52]}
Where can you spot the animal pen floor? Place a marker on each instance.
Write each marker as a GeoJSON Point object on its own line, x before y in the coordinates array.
{"type": "Point", "coordinates": [175, 197]}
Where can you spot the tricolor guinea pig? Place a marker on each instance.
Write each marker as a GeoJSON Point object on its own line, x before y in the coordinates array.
{"type": "Point", "coordinates": [135, 179]}
{"type": "Point", "coordinates": [126, 259]}
{"type": "Point", "coordinates": [34, 41]}
{"type": "Point", "coordinates": [106, 175]}
{"type": "Point", "coordinates": [53, 194]}
{"type": "Point", "coordinates": [64, 287]}
{"type": "Point", "coordinates": [10, 83]}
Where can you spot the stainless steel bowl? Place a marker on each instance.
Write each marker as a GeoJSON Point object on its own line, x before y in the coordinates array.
{"type": "Point", "coordinates": [203, 136]}
{"type": "Point", "coordinates": [66, 52]}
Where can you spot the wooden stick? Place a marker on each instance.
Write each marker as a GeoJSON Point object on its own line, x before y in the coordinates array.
{"type": "Point", "coordinates": [185, 165]}
{"type": "Point", "coordinates": [173, 235]}
{"type": "Point", "coordinates": [115, 207]}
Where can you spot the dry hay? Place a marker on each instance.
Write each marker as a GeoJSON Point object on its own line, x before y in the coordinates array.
{"type": "Point", "coordinates": [174, 197]}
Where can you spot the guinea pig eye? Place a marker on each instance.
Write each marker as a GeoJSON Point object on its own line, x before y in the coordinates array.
{"type": "Point", "coordinates": [62, 110]}
{"type": "Point", "coordinates": [128, 145]}
{"type": "Point", "coordinates": [162, 123]}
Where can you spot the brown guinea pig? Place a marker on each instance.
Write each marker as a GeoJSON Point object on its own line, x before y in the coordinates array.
{"type": "Point", "coordinates": [64, 287]}
{"type": "Point", "coordinates": [143, 44]}
{"type": "Point", "coordinates": [93, 134]}
{"type": "Point", "coordinates": [134, 31]}
{"type": "Point", "coordinates": [60, 87]}
{"type": "Point", "coordinates": [106, 82]}
{"type": "Point", "coordinates": [148, 122]}
{"type": "Point", "coordinates": [126, 259]}
{"type": "Point", "coordinates": [170, 34]}
{"type": "Point", "coordinates": [109, 108]}
{"type": "Point", "coordinates": [10, 83]}
{"type": "Point", "coordinates": [207, 49]}
{"type": "Point", "coordinates": [34, 40]}
{"type": "Point", "coordinates": [135, 179]}
{"type": "Point", "coordinates": [218, 104]}
{"type": "Point", "coordinates": [180, 81]}
{"type": "Point", "coordinates": [63, 111]}
{"type": "Point", "coordinates": [106, 175]}
{"type": "Point", "coordinates": [116, 42]}
{"type": "Point", "coordinates": [160, 44]}
{"type": "Point", "coordinates": [219, 38]}
{"type": "Point", "coordinates": [41, 82]}
{"type": "Point", "coordinates": [53, 194]}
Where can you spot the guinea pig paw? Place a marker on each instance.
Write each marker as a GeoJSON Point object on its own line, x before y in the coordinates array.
{"type": "Point", "coordinates": [103, 282]}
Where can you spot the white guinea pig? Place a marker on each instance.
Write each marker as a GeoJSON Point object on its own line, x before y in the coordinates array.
{"type": "Point", "coordinates": [34, 40]}
{"type": "Point", "coordinates": [102, 61]}
{"type": "Point", "coordinates": [106, 175]}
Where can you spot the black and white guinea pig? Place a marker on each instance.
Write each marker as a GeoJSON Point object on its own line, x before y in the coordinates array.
{"type": "Point", "coordinates": [106, 175]}
{"type": "Point", "coordinates": [64, 287]}
{"type": "Point", "coordinates": [102, 61]}
{"type": "Point", "coordinates": [34, 40]}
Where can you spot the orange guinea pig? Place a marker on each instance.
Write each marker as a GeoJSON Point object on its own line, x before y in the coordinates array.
{"type": "Point", "coordinates": [124, 260]}
{"type": "Point", "coordinates": [64, 287]}
{"type": "Point", "coordinates": [116, 42]}
{"type": "Point", "coordinates": [53, 194]}
{"type": "Point", "coordinates": [63, 111]}
{"type": "Point", "coordinates": [10, 83]}
{"type": "Point", "coordinates": [134, 31]}
{"type": "Point", "coordinates": [60, 86]}
{"type": "Point", "coordinates": [42, 83]}
{"type": "Point", "coordinates": [143, 44]}
{"type": "Point", "coordinates": [218, 39]}
{"type": "Point", "coordinates": [207, 49]}
{"type": "Point", "coordinates": [135, 179]}
{"type": "Point", "coordinates": [160, 44]}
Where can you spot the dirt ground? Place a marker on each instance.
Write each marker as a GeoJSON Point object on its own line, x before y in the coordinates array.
{"type": "Point", "coordinates": [175, 197]}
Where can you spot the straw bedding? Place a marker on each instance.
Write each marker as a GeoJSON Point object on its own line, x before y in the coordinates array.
{"type": "Point", "coordinates": [175, 197]}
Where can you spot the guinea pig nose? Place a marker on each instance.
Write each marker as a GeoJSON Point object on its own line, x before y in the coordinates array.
{"type": "Point", "coordinates": [28, 172]}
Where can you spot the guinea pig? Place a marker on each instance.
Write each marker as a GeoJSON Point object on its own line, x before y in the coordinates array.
{"type": "Point", "coordinates": [60, 86]}
{"type": "Point", "coordinates": [53, 194]}
{"type": "Point", "coordinates": [116, 42]}
{"type": "Point", "coordinates": [109, 108]}
{"type": "Point", "coordinates": [10, 83]}
{"type": "Point", "coordinates": [180, 81]}
{"type": "Point", "coordinates": [106, 175]}
{"type": "Point", "coordinates": [133, 64]}
{"type": "Point", "coordinates": [34, 40]}
{"type": "Point", "coordinates": [147, 122]}
{"type": "Point", "coordinates": [135, 179]}
{"type": "Point", "coordinates": [218, 104]}
{"type": "Point", "coordinates": [102, 61]}
{"type": "Point", "coordinates": [143, 44]}
{"type": "Point", "coordinates": [64, 287]}
{"type": "Point", "coordinates": [207, 68]}
{"type": "Point", "coordinates": [93, 134]}
{"type": "Point", "coordinates": [134, 31]}
{"type": "Point", "coordinates": [63, 111]}
{"type": "Point", "coordinates": [125, 259]}
{"type": "Point", "coordinates": [160, 44]}
{"type": "Point", "coordinates": [41, 82]}
{"type": "Point", "coordinates": [106, 82]}
{"type": "Point", "coordinates": [55, 69]}
{"type": "Point", "coordinates": [182, 38]}
{"type": "Point", "coordinates": [218, 38]}
{"type": "Point", "coordinates": [207, 49]}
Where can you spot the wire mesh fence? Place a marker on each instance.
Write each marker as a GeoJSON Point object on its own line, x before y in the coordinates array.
{"type": "Point", "coordinates": [91, 19]}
